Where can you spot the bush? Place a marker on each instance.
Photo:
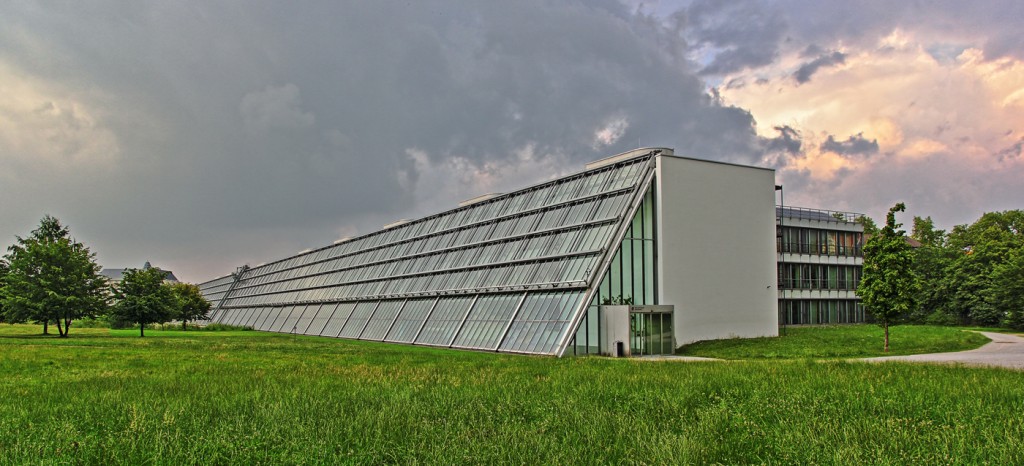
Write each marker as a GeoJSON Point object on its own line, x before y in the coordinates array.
{"type": "Point", "coordinates": [221, 328]}
{"type": "Point", "coordinates": [92, 322]}
{"type": "Point", "coordinates": [941, 318]}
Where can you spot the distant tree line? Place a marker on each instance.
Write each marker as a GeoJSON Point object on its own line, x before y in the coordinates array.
{"type": "Point", "coordinates": [49, 278]}
{"type": "Point", "coordinates": [971, 275]}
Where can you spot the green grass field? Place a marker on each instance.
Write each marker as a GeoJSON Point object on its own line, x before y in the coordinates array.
{"type": "Point", "coordinates": [841, 341]}
{"type": "Point", "coordinates": [247, 397]}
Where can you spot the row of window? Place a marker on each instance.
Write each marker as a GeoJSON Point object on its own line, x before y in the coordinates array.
{"type": "Point", "coordinates": [818, 277]}
{"type": "Point", "coordinates": [822, 242]}
{"type": "Point", "coordinates": [346, 270]}
{"type": "Point", "coordinates": [568, 271]}
{"type": "Point", "coordinates": [820, 311]}
{"type": "Point", "coordinates": [582, 186]}
{"type": "Point", "coordinates": [576, 242]}
{"type": "Point", "coordinates": [533, 322]}
{"type": "Point", "coordinates": [215, 290]}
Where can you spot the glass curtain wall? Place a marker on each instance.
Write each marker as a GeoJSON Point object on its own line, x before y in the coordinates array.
{"type": "Point", "coordinates": [630, 278]}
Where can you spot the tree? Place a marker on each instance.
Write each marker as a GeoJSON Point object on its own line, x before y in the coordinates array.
{"type": "Point", "coordinates": [870, 229]}
{"type": "Point", "coordinates": [931, 261]}
{"type": "Point", "coordinates": [3, 278]}
{"type": "Point", "coordinates": [191, 303]}
{"type": "Point", "coordinates": [143, 298]}
{"type": "Point", "coordinates": [888, 286]}
{"type": "Point", "coordinates": [925, 233]}
{"type": "Point", "coordinates": [980, 248]}
{"type": "Point", "coordinates": [52, 278]}
{"type": "Point", "coordinates": [1007, 294]}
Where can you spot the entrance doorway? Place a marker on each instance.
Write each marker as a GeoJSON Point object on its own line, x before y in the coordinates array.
{"type": "Point", "coordinates": [650, 332]}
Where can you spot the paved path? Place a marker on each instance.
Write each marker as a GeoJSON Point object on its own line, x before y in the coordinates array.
{"type": "Point", "coordinates": [1003, 351]}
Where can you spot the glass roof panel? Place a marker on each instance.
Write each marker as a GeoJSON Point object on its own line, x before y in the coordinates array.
{"type": "Point", "coordinates": [289, 324]}
{"type": "Point", "coordinates": [266, 313]}
{"type": "Point", "coordinates": [541, 321]}
{"type": "Point", "coordinates": [444, 321]}
{"type": "Point", "coordinates": [357, 322]}
{"type": "Point", "coordinates": [338, 319]}
{"type": "Point", "coordinates": [319, 320]}
{"type": "Point", "coordinates": [410, 320]}
{"type": "Point", "coordinates": [487, 322]}
{"type": "Point", "coordinates": [382, 319]}
{"type": "Point", "coordinates": [303, 319]}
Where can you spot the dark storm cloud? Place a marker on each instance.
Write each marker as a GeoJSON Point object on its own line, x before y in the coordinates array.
{"type": "Point", "coordinates": [856, 145]}
{"type": "Point", "coordinates": [788, 141]}
{"type": "Point", "coordinates": [241, 132]}
{"type": "Point", "coordinates": [735, 35]}
{"type": "Point", "coordinates": [804, 73]}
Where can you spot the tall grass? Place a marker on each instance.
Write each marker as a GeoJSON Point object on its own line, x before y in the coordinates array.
{"type": "Point", "coordinates": [250, 397]}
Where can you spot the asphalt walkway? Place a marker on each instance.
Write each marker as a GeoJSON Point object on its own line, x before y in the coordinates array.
{"type": "Point", "coordinates": [1003, 351]}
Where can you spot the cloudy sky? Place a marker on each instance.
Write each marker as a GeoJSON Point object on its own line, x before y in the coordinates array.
{"type": "Point", "coordinates": [205, 135]}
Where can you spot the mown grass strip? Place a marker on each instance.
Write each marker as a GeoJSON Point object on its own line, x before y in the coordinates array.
{"type": "Point", "coordinates": [840, 342]}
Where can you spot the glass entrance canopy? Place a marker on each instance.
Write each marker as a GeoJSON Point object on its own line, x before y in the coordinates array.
{"type": "Point", "coordinates": [512, 273]}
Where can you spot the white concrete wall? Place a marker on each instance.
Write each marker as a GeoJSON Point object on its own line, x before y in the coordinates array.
{"type": "Point", "coordinates": [614, 328]}
{"type": "Point", "coordinates": [716, 248]}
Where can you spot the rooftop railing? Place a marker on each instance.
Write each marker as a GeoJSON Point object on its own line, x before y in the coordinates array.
{"type": "Point", "coordinates": [816, 214]}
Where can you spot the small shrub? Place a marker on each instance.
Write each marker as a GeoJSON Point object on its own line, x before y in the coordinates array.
{"type": "Point", "coordinates": [221, 327]}
{"type": "Point", "coordinates": [941, 318]}
{"type": "Point", "coordinates": [90, 322]}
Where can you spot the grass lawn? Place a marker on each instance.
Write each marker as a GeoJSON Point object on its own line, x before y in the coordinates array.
{"type": "Point", "coordinates": [841, 341]}
{"type": "Point", "coordinates": [248, 397]}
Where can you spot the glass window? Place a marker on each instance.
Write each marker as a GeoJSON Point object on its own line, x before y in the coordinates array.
{"type": "Point", "coordinates": [308, 313]}
{"type": "Point", "coordinates": [541, 322]}
{"type": "Point", "coordinates": [410, 320]}
{"type": "Point", "coordinates": [379, 324]}
{"type": "Point", "coordinates": [444, 321]}
{"type": "Point", "coordinates": [285, 316]}
{"type": "Point", "coordinates": [337, 319]}
{"type": "Point", "coordinates": [357, 321]}
{"type": "Point", "coordinates": [487, 321]}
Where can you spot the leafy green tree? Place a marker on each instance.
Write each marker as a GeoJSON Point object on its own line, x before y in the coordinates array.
{"type": "Point", "coordinates": [1007, 294]}
{"type": "Point", "coordinates": [888, 285]}
{"type": "Point", "coordinates": [191, 303]}
{"type": "Point", "coordinates": [3, 278]}
{"type": "Point", "coordinates": [52, 278]}
{"type": "Point", "coordinates": [980, 248]}
{"type": "Point", "coordinates": [925, 233]}
{"type": "Point", "coordinates": [143, 298]}
{"type": "Point", "coordinates": [870, 228]}
{"type": "Point", "coordinates": [931, 261]}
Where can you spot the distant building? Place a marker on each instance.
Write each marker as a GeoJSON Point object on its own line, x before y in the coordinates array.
{"type": "Point", "coordinates": [820, 259]}
{"type": "Point", "coordinates": [115, 275]}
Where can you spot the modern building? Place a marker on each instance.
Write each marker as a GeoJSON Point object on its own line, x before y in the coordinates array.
{"type": "Point", "coordinates": [820, 261]}
{"type": "Point", "coordinates": [115, 275]}
{"type": "Point", "coordinates": [686, 244]}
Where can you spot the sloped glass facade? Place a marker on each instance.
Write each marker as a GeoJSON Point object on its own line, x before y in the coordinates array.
{"type": "Point", "coordinates": [629, 279]}
{"type": "Point", "coordinates": [513, 273]}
